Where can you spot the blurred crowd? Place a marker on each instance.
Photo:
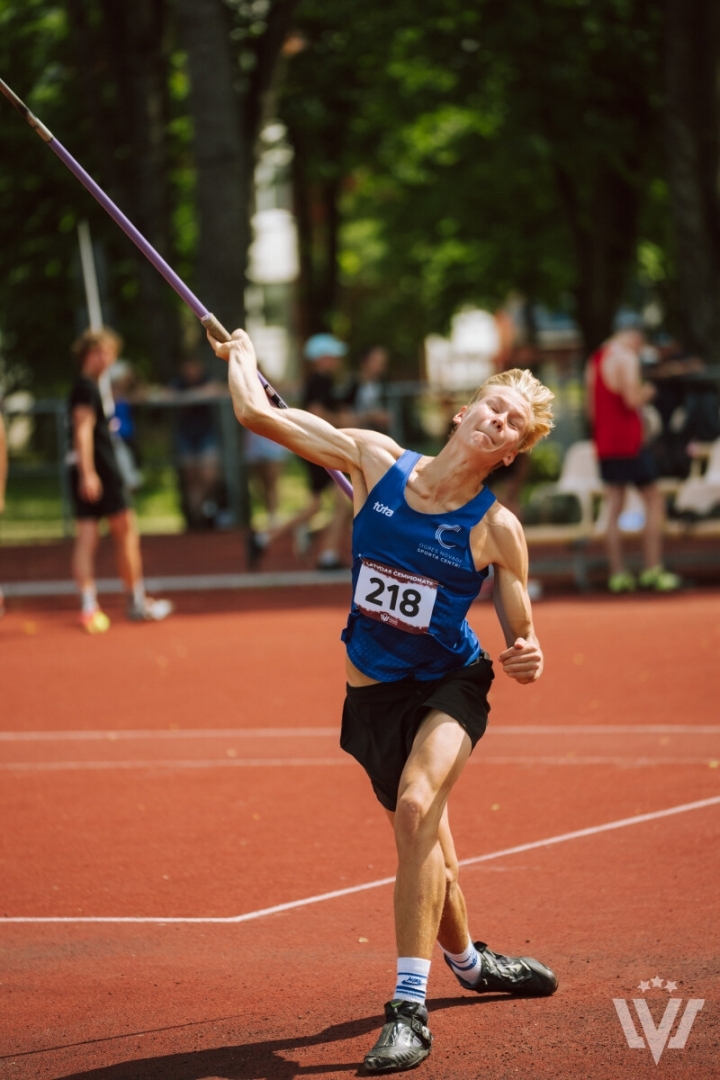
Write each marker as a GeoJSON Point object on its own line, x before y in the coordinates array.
{"type": "Point", "coordinates": [653, 415]}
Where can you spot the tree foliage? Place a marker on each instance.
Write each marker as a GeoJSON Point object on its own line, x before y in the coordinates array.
{"type": "Point", "coordinates": [485, 148]}
{"type": "Point", "coordinates": [479, 150]}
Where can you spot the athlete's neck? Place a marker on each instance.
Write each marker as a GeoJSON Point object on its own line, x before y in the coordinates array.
{"type": "Point", "coordinates": [448, 481]}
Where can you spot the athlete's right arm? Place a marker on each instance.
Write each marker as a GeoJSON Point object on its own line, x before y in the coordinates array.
{"type": "Point", "coordinates": [83, 421]}
{"type": "Point", "coordinates": [355, 451]}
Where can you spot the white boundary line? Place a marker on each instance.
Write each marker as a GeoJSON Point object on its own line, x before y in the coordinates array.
{"type": "Point", "coordinates": [593, 830]}
{"type": "Point", "coordinates": [170, 763]}
{"type": "Point", "coordinates": [313, 732]}
{"type": "Point", "coordinates": [279, 763]}
{"type": "Point", "coordinates": [168, 733]}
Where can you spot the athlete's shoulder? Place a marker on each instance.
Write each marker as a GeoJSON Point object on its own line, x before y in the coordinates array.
{"type": "Point", "coordinates": [499, 538]}
{"type": "Point", "coordinates": [376, 449]}
{"type": "Point", "coordinates": [377, 453]}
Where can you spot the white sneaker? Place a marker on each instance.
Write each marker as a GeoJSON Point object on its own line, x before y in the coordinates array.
{"type": "Point", "coordinates": [150, 611]}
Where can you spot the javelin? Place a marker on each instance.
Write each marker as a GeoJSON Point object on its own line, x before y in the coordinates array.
{"type": "Point", "coordinates": [211, 324]}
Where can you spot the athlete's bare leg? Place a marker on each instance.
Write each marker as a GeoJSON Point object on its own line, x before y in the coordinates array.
{"type": "Point", "coordinates": [424, 895]}
{"type": "Point", "coordinates": [127, 548]}
{"type": "Point", "coordinates": [454, 932]}
{"type": "Point", "coordinates": [654, 502]}
{"type": "Point", "coordinates": [615, 496]}
{"type": "Point", "coordinates": [83, 558]}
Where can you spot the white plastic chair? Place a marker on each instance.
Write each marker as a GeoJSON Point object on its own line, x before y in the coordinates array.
{"type": "Point", "coordinates": [632, 515]}
{"type": "Point", "coordinates": [579, 476]}
{"type": "Point", "coordinates": [698, 494]}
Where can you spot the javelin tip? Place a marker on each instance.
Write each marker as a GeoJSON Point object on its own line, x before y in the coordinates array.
{"type": "Point", "coordinates": [22, 108]}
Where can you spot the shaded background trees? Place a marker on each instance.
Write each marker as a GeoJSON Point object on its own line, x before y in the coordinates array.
{"type": "Point", "coordinates": [484, 149]}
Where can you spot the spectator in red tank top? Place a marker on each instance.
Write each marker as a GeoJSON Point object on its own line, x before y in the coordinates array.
{"type": "Point", "coordinates": [615, 396]}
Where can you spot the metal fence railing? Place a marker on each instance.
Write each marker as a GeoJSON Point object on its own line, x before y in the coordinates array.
{"type": "Point", "coordinates": [419, 418]}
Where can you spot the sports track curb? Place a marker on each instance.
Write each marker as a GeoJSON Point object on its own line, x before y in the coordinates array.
{"type": "Point", "coordinates": [186, 583]}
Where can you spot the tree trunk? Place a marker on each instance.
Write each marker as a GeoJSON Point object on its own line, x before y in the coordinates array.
{"type": "Point", "coordinates": [303, 216]}
{"type": "Point", "coordinates": [604, 234]}
{"type": "Point", "coordinates": [127, 50]}
{"type": "Point", "coordinates": [223, 161]}
{"type": "Point", "coordinates": [142, 74]}
{"type": "Point", "coordinates": [693, 137]}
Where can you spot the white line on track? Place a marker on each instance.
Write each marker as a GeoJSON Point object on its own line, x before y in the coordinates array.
{"type": "Point", "coordinates": [174, 733]}
{"type": "Point", "coordinates": [211, 763]}
{"type": "Point", "coordinates": [279, 763]}
{"type": "Point", "coordinates": [314, 732]}
{"type": "Point", "coordinates": [593, 830]}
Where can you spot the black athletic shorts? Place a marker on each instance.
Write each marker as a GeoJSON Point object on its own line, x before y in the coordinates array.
{"type": "Point", "coordinates": [380, 721]}
{"type": "Point", "coordinates": [112, 501]}
{"type": "Point", "coordinates": [640, 470]}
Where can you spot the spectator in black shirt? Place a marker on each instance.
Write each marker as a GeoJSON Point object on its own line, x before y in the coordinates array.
{"type": "Point", "coordinates": [98, 491]}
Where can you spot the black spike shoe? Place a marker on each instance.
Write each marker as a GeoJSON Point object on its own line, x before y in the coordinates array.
{"type": "Point", "coordinates": [521, 976]}
{"type": "Point", "coordinates": [404, 1041]}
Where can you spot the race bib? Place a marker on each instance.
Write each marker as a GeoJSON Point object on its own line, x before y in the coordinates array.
{"type": "Point", "coordinates": [395, 597]}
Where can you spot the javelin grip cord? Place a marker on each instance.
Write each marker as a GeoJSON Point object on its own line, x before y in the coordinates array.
{"type": "Point", "coordinates": [211, 324]}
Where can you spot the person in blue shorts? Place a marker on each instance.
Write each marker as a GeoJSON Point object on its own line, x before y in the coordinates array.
{"type": "Point", "coordinates": [425, 532]}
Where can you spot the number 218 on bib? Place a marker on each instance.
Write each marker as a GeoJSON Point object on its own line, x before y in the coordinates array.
{"type": "Point", "coordinates": [395, 597]}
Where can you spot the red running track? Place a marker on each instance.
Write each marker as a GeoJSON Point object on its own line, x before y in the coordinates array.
{"type": "Point", "coordinates": [190, 771]}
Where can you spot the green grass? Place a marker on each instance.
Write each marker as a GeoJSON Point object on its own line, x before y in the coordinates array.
{"type": "Point", "coordinates": [34, 511]}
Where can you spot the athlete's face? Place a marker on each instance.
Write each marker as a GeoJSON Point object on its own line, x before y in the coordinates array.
{"type": "Point", "coordinates": [496, 423]}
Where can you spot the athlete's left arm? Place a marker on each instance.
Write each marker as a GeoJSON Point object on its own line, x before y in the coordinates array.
{"type": "Point", "coordinates": [507, 550]}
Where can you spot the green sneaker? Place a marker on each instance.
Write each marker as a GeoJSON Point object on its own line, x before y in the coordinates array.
{"type": "Point", "coordinates": [659, 580]}
{"type": "Point", "coordinates": [621, 582]}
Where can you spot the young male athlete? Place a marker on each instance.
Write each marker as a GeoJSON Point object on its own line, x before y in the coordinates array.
{"type": "Point", "coordinates": [425, 532]}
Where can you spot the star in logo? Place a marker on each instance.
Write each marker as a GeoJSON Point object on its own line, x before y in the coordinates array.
{"type": "Point", "coordinates": [657, 981]}
{"type": "Point", "coordinates": [670, 986]}
{"type": "Point", "coordinates": [644, 986]}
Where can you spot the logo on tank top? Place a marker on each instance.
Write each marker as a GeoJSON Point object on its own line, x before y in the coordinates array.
{"type": "Point", "coordinates": [439, 534]}
{"type": "Point", "coordinates": [381, 508]}
{"type": "Point", "coordinates": [444, 553]}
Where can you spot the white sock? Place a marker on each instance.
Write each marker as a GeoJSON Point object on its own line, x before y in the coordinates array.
{"type": "Point", "coordinates": [412, 979]}
{"type": "Point", "coordinates": [467, 964]}
{"type": "Point", "coordinates": [138, 594]}
{"type": "Point", "coordinates": [88, 600]}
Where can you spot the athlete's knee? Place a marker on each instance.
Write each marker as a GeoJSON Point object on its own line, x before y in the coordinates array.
{"type": "Point", "coordinates": [417, 814]}
{"type": "Point", "coordinates": [122, 526]}
{"type": "Point", "coordinates": [452, 872]}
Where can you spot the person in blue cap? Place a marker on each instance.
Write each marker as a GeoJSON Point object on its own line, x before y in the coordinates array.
{"type": "Point", "coordinates": [324, 354]}
{"type": "Point", "coordinates": [425, 532]}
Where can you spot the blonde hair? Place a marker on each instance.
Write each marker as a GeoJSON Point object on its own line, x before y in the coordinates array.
{"type": "Point", "coordinates": [93, 339]}
{"type": "Point", "coordinates": [538, 397]}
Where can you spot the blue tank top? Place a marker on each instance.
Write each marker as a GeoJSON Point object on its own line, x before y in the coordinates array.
{"type": "Point", "coordinates": [413, 581]}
